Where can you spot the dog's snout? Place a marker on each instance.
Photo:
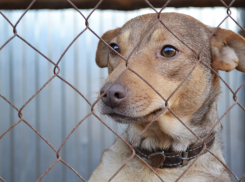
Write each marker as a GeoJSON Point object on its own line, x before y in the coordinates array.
{"type": "Point", "coordinates": [115, 95]}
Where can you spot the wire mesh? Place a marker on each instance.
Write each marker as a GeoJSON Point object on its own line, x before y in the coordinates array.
{"type": "Point", "coordinates": [56, 73]}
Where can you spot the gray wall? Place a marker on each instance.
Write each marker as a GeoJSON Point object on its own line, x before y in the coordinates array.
{"type": "Point", "coordinates": [58, 108]}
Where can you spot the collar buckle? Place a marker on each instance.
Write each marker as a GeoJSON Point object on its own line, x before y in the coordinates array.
{"type": "Point", "coordinates": [184, 158]}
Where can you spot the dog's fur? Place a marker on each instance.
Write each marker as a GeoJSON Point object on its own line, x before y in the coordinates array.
{"type": "Point", "coordinates": [195, 102]}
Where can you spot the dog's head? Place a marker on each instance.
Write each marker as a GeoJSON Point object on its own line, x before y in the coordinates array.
{"type": "Point", "coordinates": [164, 62]}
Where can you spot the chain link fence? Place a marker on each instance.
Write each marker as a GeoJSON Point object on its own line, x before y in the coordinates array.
{"type": "Point", "coordinates": [56, 74]}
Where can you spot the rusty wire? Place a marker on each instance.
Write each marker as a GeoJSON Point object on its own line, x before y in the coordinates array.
{"type": "Point", "coordinates": [131, 146]}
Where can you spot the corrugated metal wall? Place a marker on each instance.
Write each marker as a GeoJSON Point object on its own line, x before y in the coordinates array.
{"type": "Point", "coordinates": [56, 110]}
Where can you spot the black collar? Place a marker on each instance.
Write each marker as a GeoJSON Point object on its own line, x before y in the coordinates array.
{"type": "Point", "coordinates": [167, 159]}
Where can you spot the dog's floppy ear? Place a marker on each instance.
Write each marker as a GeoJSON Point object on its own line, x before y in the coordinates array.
{"type": "Point", "coordinates": [228, 49]}
{"type": "Point", "coordinates": [102, 53]}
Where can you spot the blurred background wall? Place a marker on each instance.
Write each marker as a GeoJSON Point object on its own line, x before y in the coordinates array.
{"type": "Point", "coordinates": [55, 111]}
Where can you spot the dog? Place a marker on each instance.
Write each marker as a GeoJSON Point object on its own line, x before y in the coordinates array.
{"type": "Point", "coordinates": [163, 59]}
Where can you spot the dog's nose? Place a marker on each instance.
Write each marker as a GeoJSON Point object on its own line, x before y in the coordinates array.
{"type": "Point", "coordinates": [115, 95]}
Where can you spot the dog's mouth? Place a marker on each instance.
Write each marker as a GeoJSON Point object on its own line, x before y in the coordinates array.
{"type": "Point", "coordinates": [121, 118]}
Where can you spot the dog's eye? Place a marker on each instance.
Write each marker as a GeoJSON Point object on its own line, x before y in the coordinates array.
{"type": "Point", "coordinates": [168, 51]}
{"type": "Point", "coordinates": [115, 47]}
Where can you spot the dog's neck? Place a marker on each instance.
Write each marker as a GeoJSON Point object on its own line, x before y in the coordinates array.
{"type": "Point", "coordinates": [155, 140]}
{"type": "Point", "coordinates": [157, 137]}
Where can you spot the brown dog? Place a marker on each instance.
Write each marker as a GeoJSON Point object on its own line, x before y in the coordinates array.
{"type": "Point", "coordinates": [164, 61]}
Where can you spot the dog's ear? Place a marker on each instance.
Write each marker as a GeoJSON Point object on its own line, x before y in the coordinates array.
{"type": "Point", "coordinates": [102, 53]}
{"type": "Point", "coordinates": [228, 49]}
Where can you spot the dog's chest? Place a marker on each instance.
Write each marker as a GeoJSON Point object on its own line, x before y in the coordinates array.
{"type": "Point", "coordinates": [135, 170]}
